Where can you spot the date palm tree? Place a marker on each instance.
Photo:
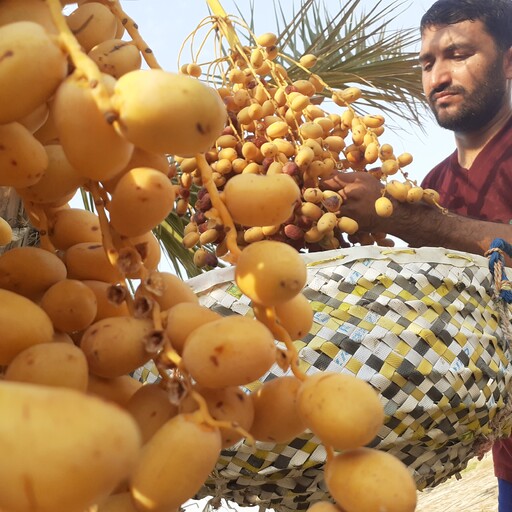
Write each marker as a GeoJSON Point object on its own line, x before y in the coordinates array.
{"type": "Point", "coordinates": [354, 47]}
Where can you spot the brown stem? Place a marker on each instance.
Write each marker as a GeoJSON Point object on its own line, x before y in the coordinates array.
{"type": "Point", "coordinates": [99, 203]}
{"type": "Point", "coordinates": [217, 203]}
{"type": "Point", "coordinates": [133, 30]}
{"type": "Point", "coordinates": [82, 62]}
{"type": "Point", "coordinates": [267, 316]}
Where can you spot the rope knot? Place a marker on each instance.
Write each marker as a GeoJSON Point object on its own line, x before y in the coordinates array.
{"type": "Point", "coordinates": [495, 249]}
{"type": "Point", "coordinates": [496, 253]}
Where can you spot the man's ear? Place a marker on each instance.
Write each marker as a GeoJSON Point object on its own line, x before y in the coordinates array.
{"type": "Point", "coordinates": [508, 63]}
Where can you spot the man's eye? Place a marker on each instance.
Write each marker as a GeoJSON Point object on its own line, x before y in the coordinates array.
{"type": "Point", "coordinates": [426, 66]}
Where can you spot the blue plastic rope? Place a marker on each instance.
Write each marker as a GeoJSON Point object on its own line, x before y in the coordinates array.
{"type": "Point", "coordinates": [497, 256]}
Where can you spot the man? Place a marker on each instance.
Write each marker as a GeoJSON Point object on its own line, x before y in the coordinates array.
{"type": "Point", "coordinates": [466, 60]}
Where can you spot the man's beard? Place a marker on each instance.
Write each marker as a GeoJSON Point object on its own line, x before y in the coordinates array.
{"type": "Point", "coordinates": [478, 107]}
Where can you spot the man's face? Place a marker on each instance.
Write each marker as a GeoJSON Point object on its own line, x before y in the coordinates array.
{"type": "Point", "coordinates": [463, 75]}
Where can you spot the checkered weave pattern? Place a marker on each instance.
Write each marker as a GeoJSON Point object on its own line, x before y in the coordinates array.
{"type": "Point", "coordinates": [420, 326]}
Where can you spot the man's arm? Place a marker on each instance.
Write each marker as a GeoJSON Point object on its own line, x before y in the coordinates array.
{"type": "Point", "coordinates": [418, 224]}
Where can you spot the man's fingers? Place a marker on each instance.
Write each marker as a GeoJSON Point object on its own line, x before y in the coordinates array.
{"type": "Point", "coordinates": [337, 181]}
{"type": "Point", "coordinates": [343, 194]}
{"type": "Point", "coordinates": [333, 183]}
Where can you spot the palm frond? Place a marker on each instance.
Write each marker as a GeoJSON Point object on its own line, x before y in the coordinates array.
{"type": "Point", "coordinates": [170, 236]}
{"type": "Point", "coordinates": [357, 48]}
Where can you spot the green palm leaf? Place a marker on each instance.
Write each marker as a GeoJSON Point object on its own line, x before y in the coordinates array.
{"type": "Point", "coordinates": [357, 48]}
{"type": "Point", "coordinates": [170, 235]}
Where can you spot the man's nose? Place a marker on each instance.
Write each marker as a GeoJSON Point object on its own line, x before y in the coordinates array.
{"type": "Point", "coordinates": [440, 75]}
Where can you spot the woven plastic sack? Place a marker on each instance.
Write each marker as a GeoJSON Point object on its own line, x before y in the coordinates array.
{"type": "Point", "coordinates": [422, 327]}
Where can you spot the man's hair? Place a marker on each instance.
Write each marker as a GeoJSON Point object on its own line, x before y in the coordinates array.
{"type": "Point", "coordinates": [496, 15]}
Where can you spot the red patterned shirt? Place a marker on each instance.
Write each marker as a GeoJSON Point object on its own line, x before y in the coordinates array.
{"type": "Point", "coordinates": [482, 192]}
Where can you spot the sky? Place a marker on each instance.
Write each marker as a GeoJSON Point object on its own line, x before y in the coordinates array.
{"type": "Point", "coordinates": [165, 24]}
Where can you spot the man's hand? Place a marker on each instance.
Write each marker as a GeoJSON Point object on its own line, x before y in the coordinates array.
{"type": "Point", "coordinates": [359, 191]}
{"type": "Point", "coordinates": [418, 224]}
